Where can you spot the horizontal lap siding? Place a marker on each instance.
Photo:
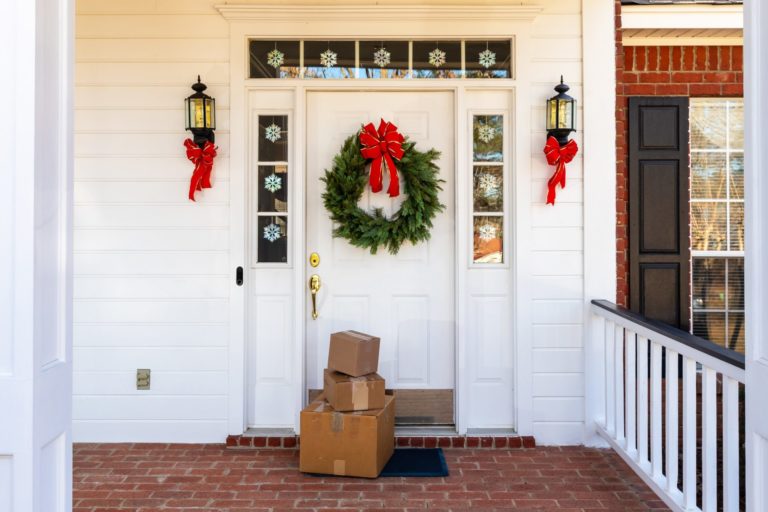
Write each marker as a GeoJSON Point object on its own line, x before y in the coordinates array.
{"type": "Point", "coordinates": [151, 267]}
{"type": "Point", "coordinates": [557, 233]}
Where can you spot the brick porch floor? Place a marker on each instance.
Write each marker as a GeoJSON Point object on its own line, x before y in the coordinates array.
{"type": "Point", "coordinates": [175, 478]}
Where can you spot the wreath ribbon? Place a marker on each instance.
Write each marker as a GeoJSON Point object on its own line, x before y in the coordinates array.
{"type": "Point", "coordinates": [203, 160]}
{"type": "Point", "coordinates": [383, 146]}
{"type": "Point", "coordinates": [558, 155]}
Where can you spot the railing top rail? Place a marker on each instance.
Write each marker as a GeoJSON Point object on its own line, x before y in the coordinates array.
{"type": "Point", "coordinates": [707, 347]}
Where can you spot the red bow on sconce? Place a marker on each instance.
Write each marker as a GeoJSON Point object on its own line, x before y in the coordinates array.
{"type": "Point", "coordinates": [203, 160]}
{"type": "Point", "coordinates": [558, 155]}
{"type": "Point", "coordinates": [382, 146]}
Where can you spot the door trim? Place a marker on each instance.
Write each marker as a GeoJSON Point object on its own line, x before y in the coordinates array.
{"type": "Point", "coordinates": [520, 292]}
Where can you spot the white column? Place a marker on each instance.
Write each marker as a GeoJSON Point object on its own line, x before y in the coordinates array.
{"type": "Point", "coordinates": [599, 151]}
{"type": "Point", "coordinates": [756, 245]}
{"type": "Point", "coordinates": [36, 39]}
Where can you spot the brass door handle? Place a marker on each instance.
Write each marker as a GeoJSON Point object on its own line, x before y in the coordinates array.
{"type": "Point", "coordinates": [314, 287]}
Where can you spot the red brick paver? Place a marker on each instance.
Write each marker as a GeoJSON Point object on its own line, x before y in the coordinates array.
{"type": "Point", "coordinates": [176, 478]}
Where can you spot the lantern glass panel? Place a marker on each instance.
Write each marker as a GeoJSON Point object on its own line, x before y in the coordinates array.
{"type": "Point", "coordinates": [210, 113]}
{"type": "Point", "coordinates": [565, 115]}
{"type": "Point", "coordinates": [552, 114]}
{"type": "Point", "coordinates": [195, 112]}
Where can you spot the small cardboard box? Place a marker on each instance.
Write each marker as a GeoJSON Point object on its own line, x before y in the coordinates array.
{"type": "Point", "coordinates": [346, 393]}
{"type": "Point", "coordinates": [346, 443]}
{"type": "Point", "coordinates": [353, 353]}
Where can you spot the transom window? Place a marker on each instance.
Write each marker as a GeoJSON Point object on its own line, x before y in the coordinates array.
{"type": "Point", "coordinates": [717, 220]}
{"type": "Point", "coordinates": [390, 59]}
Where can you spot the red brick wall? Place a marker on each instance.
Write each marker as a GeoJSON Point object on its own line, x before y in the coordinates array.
{"type": "Point", "coordinates": [694, 71]}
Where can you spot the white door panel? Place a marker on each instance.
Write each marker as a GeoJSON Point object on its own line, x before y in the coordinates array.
{"type": "Point", "coordinates": [406, 299]}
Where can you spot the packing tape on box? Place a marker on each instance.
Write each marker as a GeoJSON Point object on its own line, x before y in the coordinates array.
{"type": "Point", "coordinates": [360, 393]}
{"type": "Point", "coordinates": [339, 467]}
{"type": "Point", "coordinates": [337, 422]}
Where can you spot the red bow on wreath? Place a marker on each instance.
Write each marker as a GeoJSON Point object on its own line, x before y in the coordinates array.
{"type": "Point", "coordinates": [382, 146]}
{"type": "Point", "coordinates": [203, 160]}
{"type": "Point", "coordinates": [558, 155]}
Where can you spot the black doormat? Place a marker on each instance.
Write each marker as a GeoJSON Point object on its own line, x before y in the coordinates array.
{"type": "Point", "coordinates": [416, 462]}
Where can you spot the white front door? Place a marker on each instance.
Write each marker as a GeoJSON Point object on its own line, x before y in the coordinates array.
{"type": "Point", "coordinates": [406, 299]}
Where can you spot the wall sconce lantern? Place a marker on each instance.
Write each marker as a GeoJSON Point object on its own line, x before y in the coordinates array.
{"type": "Point", "coordinates": [561, 121]}
{"type": "Point", "coordinates": [561, 114]}
{"type": "Point", "coordinates": [200, 112]}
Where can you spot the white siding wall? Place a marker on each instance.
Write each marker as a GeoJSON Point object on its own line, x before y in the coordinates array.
{"type": "Point", "coordinates": [151, 268]}
{"type": "Point", "coordinates": [557, 236]}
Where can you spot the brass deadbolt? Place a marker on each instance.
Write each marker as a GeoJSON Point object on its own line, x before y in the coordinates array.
{"type": "Point", "coordinates": [314, 259]}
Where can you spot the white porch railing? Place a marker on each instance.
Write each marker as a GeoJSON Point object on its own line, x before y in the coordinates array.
{"type": "Point", "coordinates": [642, 416]}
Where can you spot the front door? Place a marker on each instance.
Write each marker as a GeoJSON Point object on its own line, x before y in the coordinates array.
{"type": "Point", "coordinates": [406, 299]}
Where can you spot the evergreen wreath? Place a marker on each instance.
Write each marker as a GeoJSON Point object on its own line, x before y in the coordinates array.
{"type": "Point", "coordinates": [346, 181]}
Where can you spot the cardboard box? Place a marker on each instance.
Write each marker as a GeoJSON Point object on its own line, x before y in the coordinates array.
{"type": "Point", "coordinates": [346, 393]}
{"type": "Point", "coordinates": [346, 443]}
{"type": "Point", "coordinates": [353, 353]}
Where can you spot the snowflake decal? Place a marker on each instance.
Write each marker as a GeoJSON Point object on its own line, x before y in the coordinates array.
{"type": "Point", "coordinates": [489, 185]}
{"type": "Point", "coordinates": [272, 133]}
{"type": "Point", "coordinates": [382, 57]}
{"type": "Point", "coordinates": [437, 57]}
{"type": "Point", "coordinates": [487, 58]}
{"type": "Point", "coordinates": [486, 133]}
{"type": "Point", "coordinates": [487, 232]}
{"type": "Point", "coordinates": [328, 58]}
{"type": "Point", "coordinates": [273, 183]}
{"type": "Point", "coordinates": [272, 232]}
{"type": "Point", "coordinates": [275, 58]}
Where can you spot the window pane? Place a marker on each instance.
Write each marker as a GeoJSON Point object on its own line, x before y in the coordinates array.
{"type": "Point", "coordinates": [448, 55]}
{"type": "Point", "coordinates": [735, 283]}
{"type": "Point", "coordinates": [488, 59]}
{"type": "Point", "coordinates": [708, 227]}
{"type": "Point", "coordinates": [736, 332]}
{"type": "Point", "coordinates": [488, 240]}
{"type": "Point", "coordinates": [708, 176]}
{"type": "Point", "coordinates": [708, 124]}
{"type": "Point", "coordinates": [329, 59]}
{"type": "Point", "coordinates": [388, 59]}
{"type": "Point", "coordinates": [737, 227]}
{"type": "Point", "coordinates": [273, 138]}
{"type": "Point", "coordinates": [272, 239]}
{"type": "Point", "coordinates": [488, 188]}
{"type": "Point", "coordinates": [710, 326]}
{"type": "Point", "coordinates": [708, 277]}
{"type": "Point", "coordinates": [737, 175]}
{"type": "Point", "coordinates": [736, 123]}
{"type": "Point", "coordinates": [266, 63]}
{"type": "Point", "coordinates": [488, 138]}
{"type": "Point", "coordinates": [273, 188]}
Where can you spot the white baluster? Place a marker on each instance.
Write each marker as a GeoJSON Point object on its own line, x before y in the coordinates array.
{"type": "Point", "coordinates": [730, 444]}
{"type": "Point", "coordinates": [709, 440]}
{"type": "Point", "coordinates": [642, 400]}
{"type": "Point", "coordinates": [631, 392]}
{"type": "Point", "coordinates": [619, 374]}
{"type": "Point", "coordinates": [655, 410]}
{"type": "Point", "coordinates": [689, 433]}
{"type": "Point", "coordinates": [610, 395]}
{"type": "Point", "coordinates": [672, 425]}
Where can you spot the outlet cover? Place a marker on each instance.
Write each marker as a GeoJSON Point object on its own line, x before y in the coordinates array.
{"type": "Point", "coordinates": [142, 379]}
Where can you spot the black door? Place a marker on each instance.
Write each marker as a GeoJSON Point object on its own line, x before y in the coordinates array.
{"type": "Point", "coordinates": [659, 234]}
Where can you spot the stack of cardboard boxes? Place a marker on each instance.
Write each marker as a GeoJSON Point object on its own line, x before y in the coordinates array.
{"type": "Point", "coordinates": [349, 430]}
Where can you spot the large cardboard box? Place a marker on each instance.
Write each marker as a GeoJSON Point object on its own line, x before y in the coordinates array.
{"type": "Point", "coordinates": [346, 443]}
{"type": "Point", "coordinates": [346, 393]}
{"type": "Point", "coordinates": [353, 353]}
